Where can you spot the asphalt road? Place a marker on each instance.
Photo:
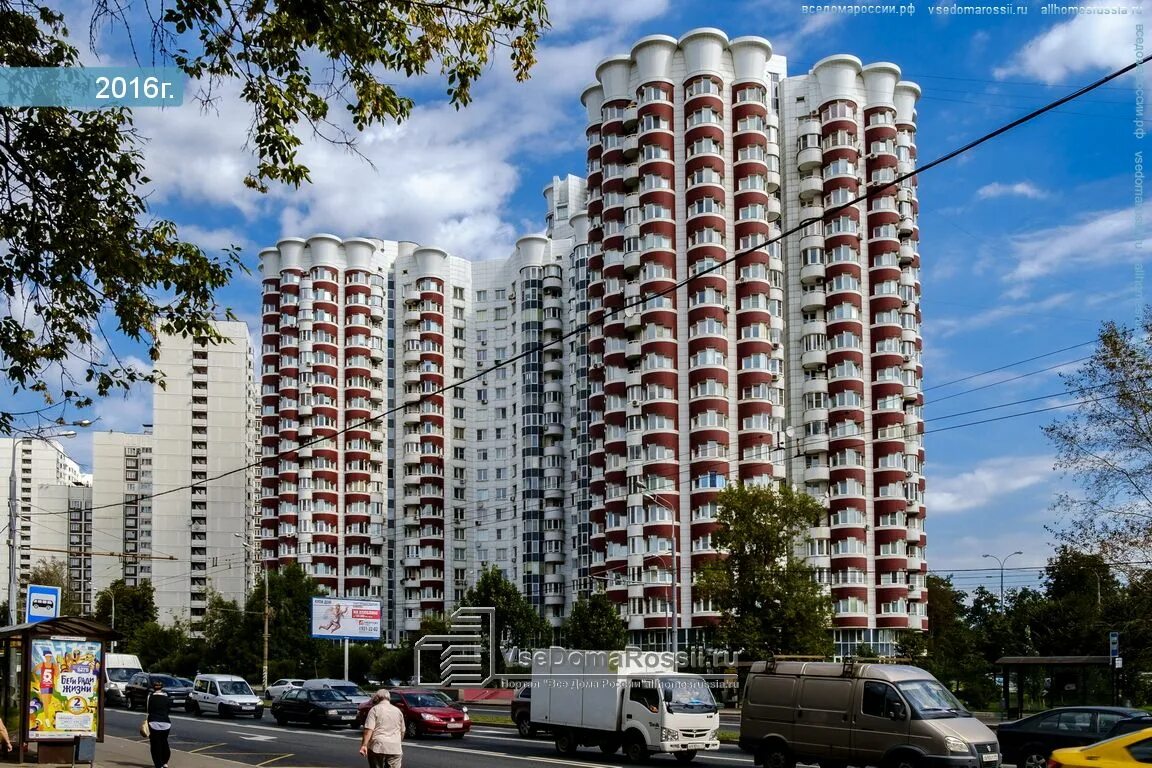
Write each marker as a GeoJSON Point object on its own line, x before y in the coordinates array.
{"type": "Point", "coordinates": [263, 743]}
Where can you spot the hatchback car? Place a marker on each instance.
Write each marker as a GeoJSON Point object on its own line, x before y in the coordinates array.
{"type": "Point", "coordinates": [1027, 743]}
{"type": "Point", "coordinates": [277, 688]}
{"type": "Point", "coordinates": [315, 706]}
{"type": "Point", "coordinates": [363, 707]}
{"type": "Point", "coordinates": [520, 709]}
{"type": "Point", "coordinates": [137, 689]}
{"type": "Point", "coordinates": [1132, 750]}
{"type": "Point", "coordinates": [224, 695]}
{"type": "Point", "coordinates": [429, 712]}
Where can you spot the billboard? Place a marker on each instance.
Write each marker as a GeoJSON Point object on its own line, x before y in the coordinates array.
{"type": "Point", "coordinates": [64, 688]}
{"type": "Point", "coordinates": [337, 618]}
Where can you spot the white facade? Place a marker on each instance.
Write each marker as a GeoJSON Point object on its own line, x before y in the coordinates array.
{"type": "Point", "coordinates": [121, 543]}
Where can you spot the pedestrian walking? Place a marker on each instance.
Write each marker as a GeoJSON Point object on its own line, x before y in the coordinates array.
{"type": "Point", "coordinates": [383, 733]}
{"type": "Point", "coordinates": [159, 724]}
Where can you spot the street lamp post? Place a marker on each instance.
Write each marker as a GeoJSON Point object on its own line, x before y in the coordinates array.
{"type": "Point", "coordinates": [675, 603]}
{"type": "Point", "coordinates": [264, 667]}
{"type": "Point", "coordinates": [14, 515]}
{"type": "Point", "coordinates": [1000, 562]}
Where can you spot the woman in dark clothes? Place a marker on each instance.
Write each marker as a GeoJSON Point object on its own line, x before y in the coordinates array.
{"type": "Point", "coordinates": [159, 725]}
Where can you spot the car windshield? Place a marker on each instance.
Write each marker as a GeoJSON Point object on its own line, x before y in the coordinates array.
{"type": "Point", "coordinates": [167, 682]}
{"type": "Point", "coordinates": [234, 688]}
{"type": "Point", "coordinates": [325, 694]}
{"type": "Point", "coordinates": [929, 699]}
{"type": "Point", "coordinates": [120, 675]}
{"type": "Point", "coordinates": [347, 690]}
{"type": "Point", "coordinates": [423, 700]}
{"type": "Point", "coordinates": [687, 694]}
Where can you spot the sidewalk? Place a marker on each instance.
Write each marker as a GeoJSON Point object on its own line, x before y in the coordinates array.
{"type": "Point", "coordinates": [115, 752]}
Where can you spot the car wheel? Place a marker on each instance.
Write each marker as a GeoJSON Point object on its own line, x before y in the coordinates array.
{"type": "Point", "coordinates": [609, 747]}
{"type": "Point", "coordinates": [524, 726]}
{"type": "Point", "coordinates": [411, 730]}
{"type": "Point", "coordinates": [565, 741]}
{"type": "Point", "coordinates": [777, 756]}
{"type": "Point", "coordinates": [194, 708]}
{"type": "Point", "coordinates": [905, 760]}
{"type": "Point", "coordinates": [259, 715]}
{"type": "Point", "coordinates": [635, 750]}
{"type": "Point", "coordinates": [280, 719]}
{"type": "Point", "coordinates": [686, 756]}
{"type": "Point", "coordinates": [1032, 756]}
{"type": "Point", "coordinates": [457, 735]}
{"type": "Point", "coordinates": [128, 702]}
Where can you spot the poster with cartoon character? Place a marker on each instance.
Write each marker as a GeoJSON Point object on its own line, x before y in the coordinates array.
{"type": "Point", "coordinates": [65, 688]}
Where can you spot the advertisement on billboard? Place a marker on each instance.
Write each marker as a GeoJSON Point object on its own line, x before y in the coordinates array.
{"type": "Point", "coordinates": [64, 699]}
{"type": "Point", "coordinates": [336, 618]}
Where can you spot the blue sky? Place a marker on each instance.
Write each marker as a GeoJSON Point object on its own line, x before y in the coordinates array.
{"type": "Point", "coordinates": [1028, 242]}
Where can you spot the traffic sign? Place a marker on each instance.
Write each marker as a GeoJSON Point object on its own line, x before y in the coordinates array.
{"type": "Point", "coordinates": [42, 603]}
{"type": "Point", "coordinates": [1113, 644]}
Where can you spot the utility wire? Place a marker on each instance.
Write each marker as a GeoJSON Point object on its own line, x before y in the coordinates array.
{"type": "Point", "coordinates": [536, 349]}
{"type": "Point", "coordinates": [1008, 365]}
{"type": "Point", "coordinates": [1014, 378]}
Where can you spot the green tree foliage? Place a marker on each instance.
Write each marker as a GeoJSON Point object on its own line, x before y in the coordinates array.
{"type": "Point", "coordinates": [81, 247]}
{"type": "Point", "coordinates": [134, 607]}
{"type": "Point", "coordinates": [290, 593]}
{"type": "Point", "coordinates": [1105, 445]}
{"type": "Point", "coordinates": [399, 663]}
{"type": "Point", "coordinates": [594, 624]}
{"type": "Point", "coordinates": [229, 644]}
{"type": "Point", "coordinates": [54, 573]}
{"type": "Point", "coordinates": [518, 625]}
{"type": "Point", "coordinates": [160, 648]}
{"type": "Point", "coordinates": [768, 599]}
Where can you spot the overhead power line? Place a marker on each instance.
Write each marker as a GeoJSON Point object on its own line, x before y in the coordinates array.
{"type": "Point", "coordinates": [584, 327]}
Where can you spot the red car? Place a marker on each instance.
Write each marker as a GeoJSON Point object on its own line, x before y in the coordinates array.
{"type": "Point", "coordinates": [425, 713]}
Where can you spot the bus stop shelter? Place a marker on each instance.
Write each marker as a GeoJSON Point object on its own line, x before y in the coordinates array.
{"type": "Point", "coordinates": [53, 692]}
{"type": "Point", "coordinates": [1069, 680]}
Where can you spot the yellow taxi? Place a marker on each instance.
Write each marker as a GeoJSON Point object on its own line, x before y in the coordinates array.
{"type": "Point", "coordinates": [1132, 750]}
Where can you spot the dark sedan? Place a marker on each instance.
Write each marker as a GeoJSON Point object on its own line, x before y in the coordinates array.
{"type": "Point", "coordinates": [1027, 743]}
{"type": "Point", "coordinates": [315, 706]}
{"type": "Point", "coordinates": [136, 690]}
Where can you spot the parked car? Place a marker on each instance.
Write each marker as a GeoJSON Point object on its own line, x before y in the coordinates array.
{"type": "Point", "coordinates": [225, 695]}
{"type": "Point", "coordinates": [315, 706]}
{"type": "Point", "coordinates": [520, 709]}
{"type": "Point", "coordinates": [280, 686]}
{"type": "Point", "coordinates": [1027, 743]}
{"type": "Point", "coordinates": [346, 687]}
{"type": "Point", "coordinates": [427, 712]}
{"type": "Point", "coordinates": [363, 707]}
{"type": "Point", "coordinates": [1130, 725]}
{"type": "Point", "coordinates": [1132, 750]}
{"type": "Point", "coordinates": [136, 690]}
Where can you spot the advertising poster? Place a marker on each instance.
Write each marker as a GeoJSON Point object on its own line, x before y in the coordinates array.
{"type": "Point", "coordinates": [64, 699]}
{"type": "Point", "coordinates": [335, 618]}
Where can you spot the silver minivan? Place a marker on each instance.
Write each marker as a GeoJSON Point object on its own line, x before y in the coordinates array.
{"type": "Point", "coordinates": [841, 714]}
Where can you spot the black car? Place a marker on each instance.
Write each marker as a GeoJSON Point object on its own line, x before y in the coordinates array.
{"type": "Point", "coordinates": [1130, 724]}
{"type": "Point", "coordinates": [1027, 743]}
{"type": "Point", "coordinates": [136, 690]}
{"type": "Point", "coordinates": [316, 706]}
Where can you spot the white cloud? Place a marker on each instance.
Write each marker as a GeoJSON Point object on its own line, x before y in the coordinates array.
{"type": "Point", "coordinates": [567, 15]}
{"type": "Point", "coordinates": [990, 481]}
{"type": "Point", "coordinates": [1106, 238]}
{"type": "Point", "coordinates": [1088, 42]}
{"type": "Point", "coordinates": [1019, 189]}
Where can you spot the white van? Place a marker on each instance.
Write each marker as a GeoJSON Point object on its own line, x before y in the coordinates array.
{"type": "Point", "coordinates": [224, 695]}
{"type": "Point", "coordinates": [118, 670]}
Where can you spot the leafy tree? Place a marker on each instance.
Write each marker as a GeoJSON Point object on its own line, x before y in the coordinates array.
{"type": "Point", "coordinates": [767, 597]}
{"type": "Point", "coordinates": [134, 606]}
{"type": "Point", "coordinates": [1105, 445]}
{"type": "Point", "coordinates": [159, 647]}
{"type": "Point", "coordinates": [595, 625]}
{"type": "Point", "coordinates": [290, 593]}
{"type": "Point", "coordinates": [54, 573]}
{"type": "Point", "coordinates": [227, 638]}
{"type": "Point", "coordinates": [81, 246]}
{"type": "Point", "coordinates": [517, 624]}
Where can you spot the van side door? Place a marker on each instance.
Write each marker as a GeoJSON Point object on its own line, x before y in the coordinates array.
{"type": "Point", "coordinates": [822, 715]}
{"type": "Point", "coordinates": [768, 709]}
{"type": "Point", "coordinates": [880, 722]}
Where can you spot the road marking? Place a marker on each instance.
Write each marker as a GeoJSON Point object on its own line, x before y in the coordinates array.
{"type": "Point", "coordinates": [254, 737]}
{"type": "Point", "coordinates": [210, 746]}
{"type": "Point", "coordinates": [280, 757]}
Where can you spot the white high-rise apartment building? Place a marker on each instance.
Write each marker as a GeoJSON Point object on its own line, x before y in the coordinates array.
{"type": "Point", "coordinates": [191, 536]}
{"type": "Point", "coordinates": [796, 361]}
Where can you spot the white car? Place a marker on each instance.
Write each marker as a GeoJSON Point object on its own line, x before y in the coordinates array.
{"type": "Point", "coordinates": [224, 695]}
{"type": "Point", "coordinates": [276, 690]}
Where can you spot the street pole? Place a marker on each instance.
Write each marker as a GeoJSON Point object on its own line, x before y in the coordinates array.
{"type": "Point", "coordinates": [1001, 563]}
{"type": "Point", "coordinates": [267, 611]}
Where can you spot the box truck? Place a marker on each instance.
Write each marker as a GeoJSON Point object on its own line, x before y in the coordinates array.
{"type": "Point", "coordinates": [859, 714]}
{"type": "Point", "coordinates": [630, 700]}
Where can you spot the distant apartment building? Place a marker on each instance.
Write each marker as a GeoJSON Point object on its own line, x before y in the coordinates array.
{"type": "Point", "coordinates": [168, 504]}
{"type": "Point", "coordinates": [794, 360]}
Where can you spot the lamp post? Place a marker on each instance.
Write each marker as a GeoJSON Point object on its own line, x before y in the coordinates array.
{"type": "Point", "coordinates": [264, 667]}
{"type": "Point", "coordinates": [14, 514]}
{"type": "Point", "coordinates": [1001, 562]}
{"type": "Point", "coordinates": [675, 605]}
